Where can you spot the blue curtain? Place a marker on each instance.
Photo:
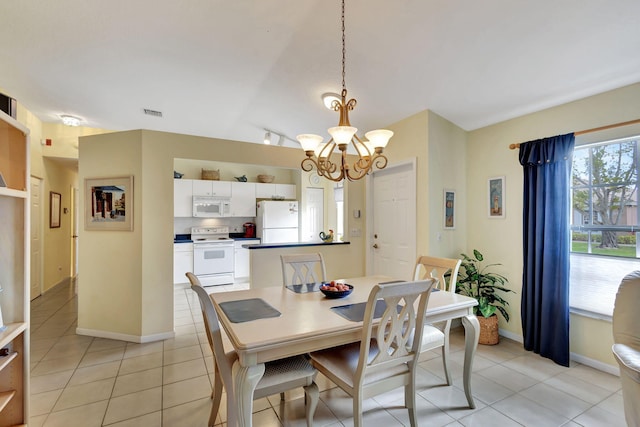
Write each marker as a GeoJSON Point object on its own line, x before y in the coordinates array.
{"type": "Point", "coordinates": [546, 245]}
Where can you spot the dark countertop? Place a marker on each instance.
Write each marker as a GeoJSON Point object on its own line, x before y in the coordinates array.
{"type": "Point", "coordinates": [292, 245]}
{"type": "Point", "coordinates": [182, 238]}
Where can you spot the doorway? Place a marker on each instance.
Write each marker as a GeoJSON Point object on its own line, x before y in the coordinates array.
{"type": "Point", "coordinates": [74, 233]}
{"type": "Point", "coordinates": [314, 214]}
{"type": "Point", "coordinates": [392, 221]}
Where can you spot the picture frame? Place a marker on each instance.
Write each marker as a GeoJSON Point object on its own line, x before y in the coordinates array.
{"type": "Point", "coordinates": [449, 210]}
{"type": "Point", "coordinates": [496, 197]}
{"type": "Point", "coordinates": [55, 202]}
{"type": "Point", "coordinates": [108, 204]}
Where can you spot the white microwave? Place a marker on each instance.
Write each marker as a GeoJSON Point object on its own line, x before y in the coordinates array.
{"type": "Point", "coordinates": [211, 207]}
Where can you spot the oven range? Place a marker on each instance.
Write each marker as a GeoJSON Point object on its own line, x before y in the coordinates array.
{"type": "Point", "coordinates": [213, 254]}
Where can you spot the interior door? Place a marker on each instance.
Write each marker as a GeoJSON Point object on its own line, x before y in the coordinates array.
{"type": "Point", "coordinates": [314, 214]}
{"type": "Point", "coordinates": [36, 237]}
{"type": "Point", "coordinates": [393, 237]}
{"type": "Point", "coordinates": [74, 236]}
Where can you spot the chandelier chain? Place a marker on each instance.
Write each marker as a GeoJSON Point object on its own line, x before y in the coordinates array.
{"type": "Point", "coordinates": [344, 51]}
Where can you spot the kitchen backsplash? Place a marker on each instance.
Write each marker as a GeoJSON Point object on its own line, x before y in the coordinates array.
{"type": "Point", "coordinates": [183, 225]}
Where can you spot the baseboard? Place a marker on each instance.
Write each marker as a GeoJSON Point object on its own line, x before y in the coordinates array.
{"type": "Point", "coordinates": [125, 337]}
{"type": "Point", "coordinates": [596, 364]}
{"type": "Point", "coordinates": [511, 335]}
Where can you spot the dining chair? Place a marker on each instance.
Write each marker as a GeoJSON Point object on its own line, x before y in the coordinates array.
{"type": "Point", "coordinates": [626, 344]}
{"type": "Point", "coordinates": [437, 334]}
{"type": "Point", "coordinates": [383, 360]}
{"type": "Point", "coordinates": [300, 269]}
{"type": "Point", "coordinates": [279, 375]}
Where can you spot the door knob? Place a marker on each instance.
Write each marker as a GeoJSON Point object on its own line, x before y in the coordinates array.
{"type": "Point", "coordinates": [375, 246]}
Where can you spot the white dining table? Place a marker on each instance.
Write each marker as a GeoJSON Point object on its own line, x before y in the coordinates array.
{"type": "Point", "coordinates": [307, 324]}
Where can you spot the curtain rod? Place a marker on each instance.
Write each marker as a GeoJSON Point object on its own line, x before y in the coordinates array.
{"type": "Point", "coordinates": [582, 132]}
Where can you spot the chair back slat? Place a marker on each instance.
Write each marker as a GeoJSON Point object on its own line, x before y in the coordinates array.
{"type": "Point", "coordinates": [393, 334]}
{"type": "Point", "coordinates": [212, 326]}
{"type": "Point", "coordinates": [300, 269]}
{"type": "Point", "coordinates": [443, 269]}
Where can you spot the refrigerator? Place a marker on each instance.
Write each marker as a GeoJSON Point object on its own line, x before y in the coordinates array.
{"type": "Point", "coordinates": [277, 221]}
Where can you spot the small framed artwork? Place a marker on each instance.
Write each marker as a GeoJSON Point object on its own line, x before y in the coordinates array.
{"type": "Point", "coordinates": [55, 200]}
{"type": "Point", "coordinates": [496, 197]}
{"type": "Point", "coordinates": [108, 204]}
{"type": "Point", "coordinates": [449, 209]}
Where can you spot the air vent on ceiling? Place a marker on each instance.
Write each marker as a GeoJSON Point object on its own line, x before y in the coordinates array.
{"type": "Point", "coordinates": [153, 112]}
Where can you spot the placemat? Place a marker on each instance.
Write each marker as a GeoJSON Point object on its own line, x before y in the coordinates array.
{"type": "Point", "coordinates": [355, 312]}
{"type": "Point", "coordinates": [303, 289]}
{"type": "Point", "coordinates": [246, 310]}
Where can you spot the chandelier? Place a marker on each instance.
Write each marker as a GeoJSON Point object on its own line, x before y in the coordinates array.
{"type": "Point", "coordinates": [369, 150]}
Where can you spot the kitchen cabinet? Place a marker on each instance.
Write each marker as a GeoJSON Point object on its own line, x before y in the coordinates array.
{"type": "Point", "coordinates": [183, 197]}
{"type": "Point", "coordinates": [203, 187]}
{"type": "Point", "coordinates": [182, 261]}
{"type": "Point", "coordinates": [276, 191]}
{"type": "Point", "coordinates": [241, 267]}
{"type": "Point", "coordinates": [243, 199]}
{"type": "Point", "coordinates": [14, 272]}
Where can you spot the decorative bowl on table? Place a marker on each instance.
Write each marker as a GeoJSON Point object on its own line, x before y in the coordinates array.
{"type": "Point", "coordinates": [335, 290]}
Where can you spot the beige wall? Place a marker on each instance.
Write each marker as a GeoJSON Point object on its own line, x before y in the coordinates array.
{"type": "Point", "coordinates": [125, 287]}
{"type": "Point", "coordinates": [439, 148]}
{"type": "Point", "coordinates": [500, 240]}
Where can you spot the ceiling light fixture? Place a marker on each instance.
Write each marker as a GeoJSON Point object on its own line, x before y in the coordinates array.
{"type": "Point", "coordinates": [329, 98]}
{"type": "Point", "coordinates": [267, 138]}
{"type": "Point", "coordinates": [70, 120]}
{"type": "Point", "coordinates": [369, 152]}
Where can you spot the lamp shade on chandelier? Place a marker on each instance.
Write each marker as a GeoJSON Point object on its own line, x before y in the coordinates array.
{"type": "Point", "coordinates": [369, 150]}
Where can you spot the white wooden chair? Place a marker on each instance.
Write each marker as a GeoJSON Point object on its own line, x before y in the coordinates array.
{"type": "Point", "coordinates": [300, 269]}
{"type": "Point", "coordinates": [383, 360]}
{"type": "Point", "coordinates": [279, 376]}
{"type": "Point", "coordinates": [437, 334]}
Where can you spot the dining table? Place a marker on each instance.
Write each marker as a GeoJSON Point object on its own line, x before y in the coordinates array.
{"type": "Point", "coordinates": [276, 322]}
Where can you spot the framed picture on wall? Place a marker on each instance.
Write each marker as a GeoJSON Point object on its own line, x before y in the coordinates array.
{"type": "Point", "coordinates": [55, 200]}
{"type": "Point", "coordinates": [449, 209]}
{"type": "Point", "coordinates": [108, 204]}
{"type": "Point", "coordinates": [496, 197]}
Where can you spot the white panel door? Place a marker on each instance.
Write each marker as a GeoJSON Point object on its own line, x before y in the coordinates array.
{"type": "Point", "coordinates": [314, 215]}
{"type": "Point", "coordinates": [394, 222]}
{"type": "Point", "coordinates": [36, 237]}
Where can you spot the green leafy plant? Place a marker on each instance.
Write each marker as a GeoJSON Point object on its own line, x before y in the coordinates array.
{"type": "Point", "coordinates": [476, 282]}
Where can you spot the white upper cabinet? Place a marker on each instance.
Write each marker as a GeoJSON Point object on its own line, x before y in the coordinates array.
{"type": "Point", "coordinates": [182, 197]}
{"type": "Point", "coordinates": [275, 191]}
{"type": "Point", "coordinates": [243, 199]}
{"type": "Point", "coordinates": [211, 188]}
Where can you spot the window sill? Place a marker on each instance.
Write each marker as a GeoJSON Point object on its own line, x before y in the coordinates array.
{"type": "Point", "coordinates": [590, 314]}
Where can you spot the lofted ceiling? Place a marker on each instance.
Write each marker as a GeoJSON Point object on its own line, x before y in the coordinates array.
{"type": "Point", "coordinates": [230, 69]}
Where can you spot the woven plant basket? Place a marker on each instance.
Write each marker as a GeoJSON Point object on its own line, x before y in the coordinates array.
{"type": "Point", "coordinates": [211, 175]}
{"type": "Point", "coordinates": [488, 330]}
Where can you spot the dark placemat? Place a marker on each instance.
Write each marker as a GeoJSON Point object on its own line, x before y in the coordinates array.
{"type": "Point", "coordinates": [355, 312]}
{"type": "Point", "coordinates": [303, 289]}
{"type": "Point", "coordinates": [246, 310]}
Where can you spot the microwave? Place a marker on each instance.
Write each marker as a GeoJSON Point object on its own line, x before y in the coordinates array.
{"type": "Point", "coordinates": [211, 207]}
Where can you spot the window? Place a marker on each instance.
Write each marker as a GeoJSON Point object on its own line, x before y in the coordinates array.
{"type": "Point", "coordinates": [604, 222]}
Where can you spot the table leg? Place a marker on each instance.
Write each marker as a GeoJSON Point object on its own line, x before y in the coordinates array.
{"type": "Point", "coordinates": [471, 335]}
{"type": "Point", "coordinates": [245, 379]}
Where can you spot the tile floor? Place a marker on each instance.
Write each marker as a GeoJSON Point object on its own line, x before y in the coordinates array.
{"type": "Point", "coordinates": [84, 381]}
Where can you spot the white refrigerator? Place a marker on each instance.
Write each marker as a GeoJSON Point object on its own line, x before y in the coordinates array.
{"type": "Point", "coordinates": [277, 221]}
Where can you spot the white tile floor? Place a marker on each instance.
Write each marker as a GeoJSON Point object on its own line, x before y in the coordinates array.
{"type": "Point", "coordinates": [84, 381]}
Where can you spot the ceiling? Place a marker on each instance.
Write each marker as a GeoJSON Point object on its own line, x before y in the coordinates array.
{"type": "Point", "coordinates": [230, 69]}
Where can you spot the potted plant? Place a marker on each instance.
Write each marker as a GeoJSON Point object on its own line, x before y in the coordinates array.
{"type": "Point", "coordinates": [477, 282]}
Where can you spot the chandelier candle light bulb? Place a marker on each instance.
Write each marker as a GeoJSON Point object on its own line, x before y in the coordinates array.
{"type": "Point", "coordinates": [369, 152]}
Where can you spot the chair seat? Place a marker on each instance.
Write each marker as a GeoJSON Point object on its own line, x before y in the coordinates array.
{"type": "Point", "coordinates": [343, 361]}
{"type": "Point", "coordinates": [629, 358]}
{"type": "Point", "coordinates": [432, 337]}
{"type": "Point", "coordinates": [284, 372]}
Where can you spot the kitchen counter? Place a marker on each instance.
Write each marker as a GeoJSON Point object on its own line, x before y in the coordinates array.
{"type": "Point", "coordinates": [292, 245]}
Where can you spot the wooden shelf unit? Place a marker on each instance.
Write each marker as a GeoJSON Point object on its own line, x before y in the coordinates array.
{"type": "Point", "coordinates": [14, 272]}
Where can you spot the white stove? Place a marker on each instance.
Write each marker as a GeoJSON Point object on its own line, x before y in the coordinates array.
{"type": "Point", "coordinates": [213, 255]}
